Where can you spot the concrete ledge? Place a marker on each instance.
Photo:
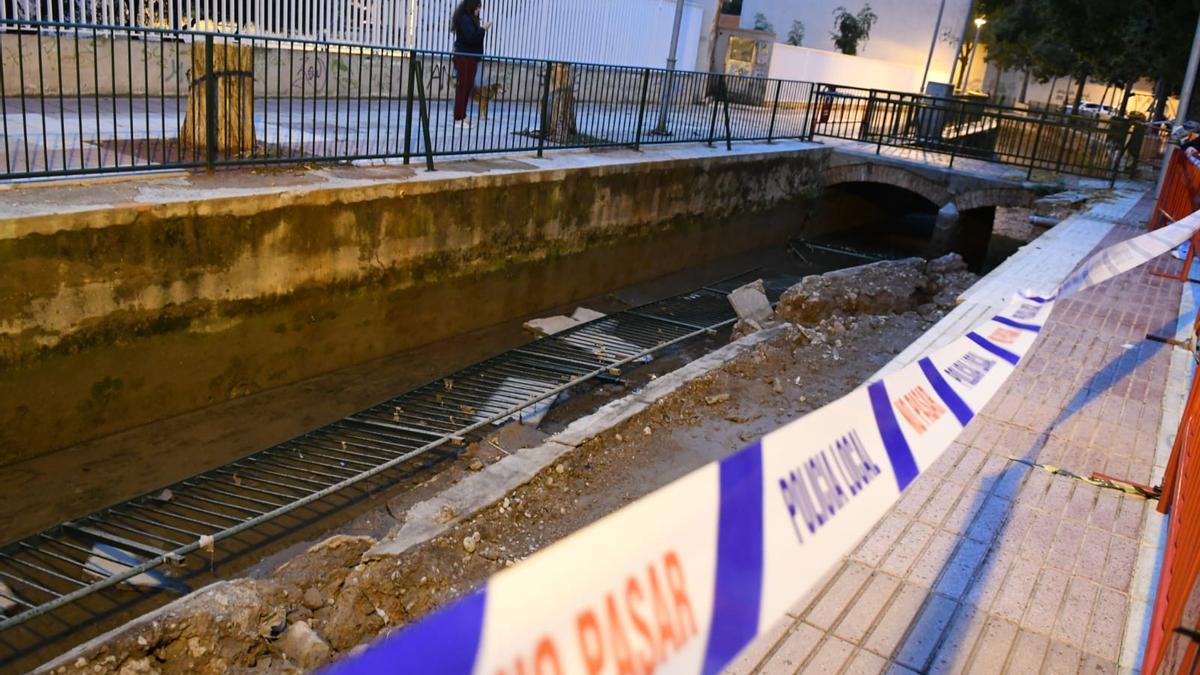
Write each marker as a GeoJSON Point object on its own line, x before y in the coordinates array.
{"type": "Point", "coordinates": [29, 208]}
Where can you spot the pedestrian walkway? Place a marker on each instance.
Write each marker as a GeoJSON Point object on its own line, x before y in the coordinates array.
{"type": "Point", "coordinates": [52, 134]}
{"type": "Point", "coordinates": [988, 565]}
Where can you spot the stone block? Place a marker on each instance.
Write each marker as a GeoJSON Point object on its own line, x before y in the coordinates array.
{"type": "Point", "coordinates": [751, 303]}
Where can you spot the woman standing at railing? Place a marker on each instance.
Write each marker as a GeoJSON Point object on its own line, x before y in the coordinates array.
{"type": "Point", "coordinates": [468, 46]}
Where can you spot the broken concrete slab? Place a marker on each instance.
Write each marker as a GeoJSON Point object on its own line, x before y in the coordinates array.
{"type": "Point", "coordinates": [549, 325]}
{"type": "Point", "coordinates": [751, 303]}
{"type": "Point", "coordinates": [583, 314]}
{"type": "Point", "coordinates": [1060, 203]}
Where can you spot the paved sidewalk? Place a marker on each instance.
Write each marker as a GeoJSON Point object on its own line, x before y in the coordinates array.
{"type": "Point", "coordinates": [986, 565]}
{"type": "Point", "coordinates": [52, 134]}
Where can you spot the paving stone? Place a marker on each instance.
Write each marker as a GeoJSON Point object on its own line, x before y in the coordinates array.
{"type": "Point", "coordinates": [865, 663]}
{"type": "Point", "coordinates": [894, 623]}
{"type": "Point", "coordinates": [1061, 659]}
{"type": "Point", "coordinates": [927, 632]}
{"type": "Point", "coordinates": [937, 552]}
{"type": "Point", "coordinates": [1104, 635]}
{"type": "Point", "coordinates": [830, 657]}
{"type": "Point", "coordinates": [908, 549]}
{"type": "Point", "coordinates": [794, 648]}
{"type": "Point", "coordinates": [838, 596]}
{"type": "Point", "coordinates": [1028, 652]}
{"type": "Point", "coordinates": [754, 653]}
{"type": "Point", "coordinates": [1073, 617]}
{"type": "Point", "coordinates": [989, 519]}
{"type": "Point", "coordinates": [1046, 600]}
{"type": "Point", "coordinates": [880, 540]}
{"type": "Point", "coordinates": [1013, 598]}
{"type": "Point", "coordinates": [1122, 557]}
{"type": "Point", "coordinates": [952, 655]}
{"type": "Point", "coordinates": [992, 650]}
{"type": "Point", "coordinates": [962, 567]}
{"type": "Point", "coordinates": [878, 592]}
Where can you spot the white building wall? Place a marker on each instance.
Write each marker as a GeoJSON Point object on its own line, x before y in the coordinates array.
{"type": "Point", "coordinates": [817, 65]}
{"type": "Point", "coordinates": [901, 35]}
{"type": "Point", "coordinates": [619, 32]}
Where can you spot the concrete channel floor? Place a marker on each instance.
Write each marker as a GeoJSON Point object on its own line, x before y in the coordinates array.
{"type": "Point", "coordinates": [987, 565]}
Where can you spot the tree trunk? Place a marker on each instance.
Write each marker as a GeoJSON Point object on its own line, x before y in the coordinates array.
{"type": "Point", "coordinates": [1079, 95]}
{"type": "Point", "coordinates": [1024, 87]}
{"type": "Point", "coordinates": [232, 66]}
{"type": "Point", "coordinates": [561, 127]}
{"type": "Point", "coordinates": [1050, 96]}
{"type": "Point", "coordinates": [1128, 93]}
{"type": "Point", "coordinates": [1160, 99]}
{"type": "Point", "coordinates": [963, 56]}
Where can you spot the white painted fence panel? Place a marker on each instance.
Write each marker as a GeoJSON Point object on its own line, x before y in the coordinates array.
{"type": "Point", "coordinates": [620, 32]}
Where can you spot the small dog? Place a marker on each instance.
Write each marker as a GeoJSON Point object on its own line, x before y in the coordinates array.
{"type": "Point", "coordinates": [484, 94]}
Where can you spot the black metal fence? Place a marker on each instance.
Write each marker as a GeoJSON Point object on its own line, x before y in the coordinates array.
{"type": "Point", "coordinates": [87, 99]}
{"type": "Point", "coordinates": [1034, 140]}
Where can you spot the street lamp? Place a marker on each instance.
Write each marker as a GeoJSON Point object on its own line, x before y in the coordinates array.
{"type": "Point", "coordinates": [979, 21]}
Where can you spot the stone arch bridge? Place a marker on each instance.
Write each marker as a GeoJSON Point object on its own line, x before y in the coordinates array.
{"type": "Point", "coordinates": [962, 200]}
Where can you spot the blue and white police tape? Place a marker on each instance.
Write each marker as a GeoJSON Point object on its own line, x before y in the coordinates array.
{"type": "Point", "coordinates": [683, 579]}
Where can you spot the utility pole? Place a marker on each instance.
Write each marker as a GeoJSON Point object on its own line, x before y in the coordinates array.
{"type": "Point", "coordinates": [661, 128]}
{"type": "Point", "coordinates": [1185, 101]}
{"type": "Point", "coordinates": [937, 26]}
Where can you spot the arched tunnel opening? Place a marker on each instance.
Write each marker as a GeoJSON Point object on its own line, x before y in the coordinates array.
{"type": "Point", "coordinates": [888, 221]}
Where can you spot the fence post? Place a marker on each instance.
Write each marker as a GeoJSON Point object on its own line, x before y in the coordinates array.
{"type": "Point", "coordinates": [774, 112]}
{"type": "Point", "coordinates": [864, 129]}
{"type": "Point", "coordinates": [712, 124]}
{"type": "Point", "coordinates": [1037, 142]}
{"type": "Point", "coordinates": [728, 133]}
{"type": "Point", "coordinates": [641, 118]}
{"type": "Point", "coordinates": [888, 105]}
{"type": "Point", "coordinates": [814, 98]}
{"type": "Point", "coordinates": [1062, 150]}
{"type": "Point", "coordinates": [545, 130]}
{"type": "Point", "coordinates": [408, 115]}
{"type": "Point", "coordinates": [210, 104]}
{"type": "Point", "coordinates": [962, 112]}
{"type": "Point", "coordinates": [421, 107]}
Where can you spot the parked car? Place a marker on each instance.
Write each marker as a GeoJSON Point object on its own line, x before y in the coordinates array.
{"type": "Point", "coordinates": [1089, 109]}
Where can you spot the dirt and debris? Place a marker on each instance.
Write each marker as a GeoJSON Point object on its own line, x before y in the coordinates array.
{"type": "Point", "coordinates": [329, 600]}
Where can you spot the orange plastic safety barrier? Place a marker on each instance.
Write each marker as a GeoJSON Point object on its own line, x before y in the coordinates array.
{"type": "Point", "coordinates": [1180, 194]}
{"type": "Point", "coordinates": [1177, 601]}
{"type": "Point", "coordinates": [1179, 197]}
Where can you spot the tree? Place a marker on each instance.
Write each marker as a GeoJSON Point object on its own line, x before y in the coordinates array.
{"type": "Point", "coordinates": [851, 30]}
{"type": "Point", "coordinates": [762, 23]}
{"type": "Point", "coordinates": [1115, 42]}
{"type": "Point", "coordinates": [795, 36]}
